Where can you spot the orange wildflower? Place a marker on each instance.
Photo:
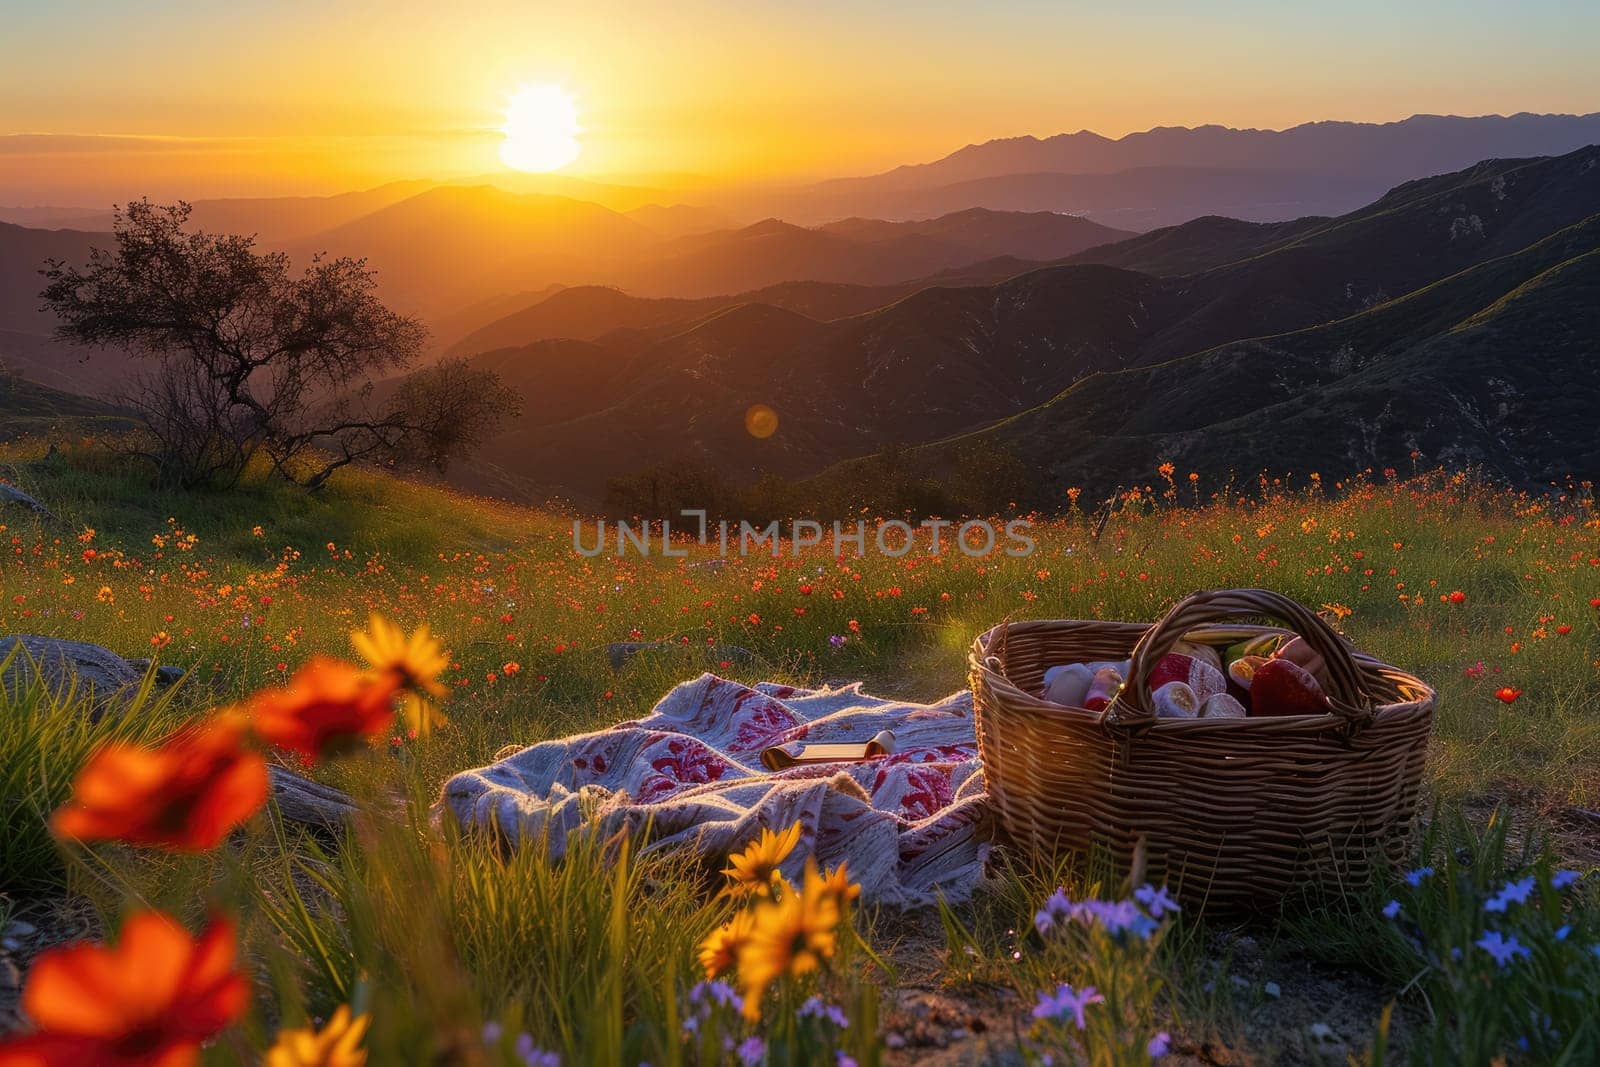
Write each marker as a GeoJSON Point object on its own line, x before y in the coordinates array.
{"type": "Point", "coordinates": [149, 1001]}
{"type": "Point", "coordinates": [186, 794]}
{"type": "Point", "coordinates": [328, 707]}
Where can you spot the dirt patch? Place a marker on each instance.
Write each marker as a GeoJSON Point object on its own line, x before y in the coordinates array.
{"type": "Point", "coordinates": [28, 929]}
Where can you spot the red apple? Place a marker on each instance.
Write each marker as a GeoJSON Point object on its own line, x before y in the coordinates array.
{"type": "Point", "coordinates": [1283, 687]}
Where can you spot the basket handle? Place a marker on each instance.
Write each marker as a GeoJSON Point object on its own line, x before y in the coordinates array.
{"type": "Point", "coordinates": [1133, 705]}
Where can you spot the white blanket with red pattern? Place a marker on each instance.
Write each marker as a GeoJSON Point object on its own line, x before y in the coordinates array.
{"type": "Point", "coordinates": [911, 825]}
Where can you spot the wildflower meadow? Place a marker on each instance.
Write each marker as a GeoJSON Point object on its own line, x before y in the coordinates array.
{"type": "Point", "coordinates": [379, 635]}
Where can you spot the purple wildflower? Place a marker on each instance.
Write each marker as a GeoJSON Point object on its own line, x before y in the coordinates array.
{"type": "Point", "coordinates": [844, 1059]}
{"type": "Point", "coordinates": [752, 1050]}
{"type": "Point", "coordinates": [1156, 901]}
{"type": "Point", "coordinates": [1065, 1002]}
{"type": "Point", "coordinates": [836, 640]}
{"type": "Point", "coordinates": [491, 1033]}
{"type": "Point", "coordinates": [1502, 949]}
{"type": "Point", "coordinates": [1057, 909]}
{"type": "Point", "coordinates": [1562, 879]}
{"type": "Point", "coordinates": [1415, 878]}
{"type": "Point", "coordinates": [1117, 916]}
{"type": "Point", "coordinates": [1510, 893]}
{"type": "Point", "coordinates": [817, 1008]}
{"type": "Point", "coordinates": [1159, 1045]}
{"type": "Point", "coordinates": [1391, 909]}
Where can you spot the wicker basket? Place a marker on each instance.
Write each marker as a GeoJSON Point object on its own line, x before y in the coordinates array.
{"type": "Point", "coordinates": [1233, 813]}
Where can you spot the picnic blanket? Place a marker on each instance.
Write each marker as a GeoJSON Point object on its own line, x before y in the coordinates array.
{"type": "Point", "coordinates": [911, 825]}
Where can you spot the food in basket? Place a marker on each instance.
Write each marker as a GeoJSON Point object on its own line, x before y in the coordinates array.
{"type": "Point", "coordinates": [1208, 654]}
{"type": "Point", "coordinates": [1175, 700]}
{"type": "Point", "coordinates": [1299, 651]}
{"type": "Point", "coordinates": [1264, 646]}
{"type": "Point", "coordinates": [1198, 675]}
{"type": "Point", "coordinates": [1243, 669]}
{"type": "Point", "coordinates": [1068, 684]}
{"type": "Point", "coordinates": [1222, 706]}
{"type": "Point", "coordinates": [1283, 687]}
{"type": "Point", "coordinates": [1104, 689]}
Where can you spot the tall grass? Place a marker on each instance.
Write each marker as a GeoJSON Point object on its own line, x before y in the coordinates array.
{"type": "Point", "coordinates": [458, 949]}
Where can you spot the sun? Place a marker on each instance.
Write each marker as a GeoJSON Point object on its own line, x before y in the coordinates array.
{"type": "Point", "coordinates": [541, 129]}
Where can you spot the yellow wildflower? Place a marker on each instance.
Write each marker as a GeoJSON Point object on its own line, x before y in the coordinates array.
{"type": "Point", "coordinates": [414, 663]}
{"type": "Point", "coordinates": [792, 935]}
{"type": "Point", "coordinates": [337, 1044]}
{"type": "Point", "coordinates": [755, 870]}
{"type": "Point", "coordinates": [720, 950]}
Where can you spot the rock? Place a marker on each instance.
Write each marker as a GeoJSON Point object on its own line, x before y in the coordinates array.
{"type": "Point", "coordinates": [65, 663]}
{"type": "Point", "coordinates": [166, 674]}
{"type": "Point", "coordinates": [10, 494]}
{"type": "Point", "coordinates": [309, 803]}
{"type": "Point", "coordinates": [1272, 990]}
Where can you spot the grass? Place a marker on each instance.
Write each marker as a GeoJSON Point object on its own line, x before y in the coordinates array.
{"type": "Point", "coordinates": [594, 958]}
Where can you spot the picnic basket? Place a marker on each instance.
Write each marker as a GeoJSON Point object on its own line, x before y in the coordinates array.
{"type": "Point", "coordinates": [1233, 814]}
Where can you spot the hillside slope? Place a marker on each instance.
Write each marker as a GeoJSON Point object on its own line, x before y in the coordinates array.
{"type": "Point", "coordinates": [1497, 366]}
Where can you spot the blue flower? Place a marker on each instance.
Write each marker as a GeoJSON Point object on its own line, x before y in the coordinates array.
{"type": "Point", "coordinates": [1415, 878]}
{"type": "Point", "coordinates": [1064, 1002]}
{"type": "Point", "coordinates": [817, 1008]}
{"type": "Point", "coordinates": [1502, 949]}
{"type": "Point", "coordinates": [1155, 901]}
{"type": "Point", "coordinates": [1561, 934]}
{"type": "Point", "coordinates": [752, 1051]}
{"type": "Point", "coordinates": [491, 1033]}
{"type": "Point", "coordinates": [1117, 916]}
{"type": "Point", "coordinates": [844, 1059]}
{"type": "Point", "coordinates": [1391, 909]}
{"type": "Point", "coordinates": [1057, 909]}
{"type": "Point", "coordinates": [716, 992]}
{"type": "Point", "coordinates": [1510, 893]}
{"type": "Point", "coordinates": [1159, 1045]}
{"type": "Point", "coordinates": [1562, 879]}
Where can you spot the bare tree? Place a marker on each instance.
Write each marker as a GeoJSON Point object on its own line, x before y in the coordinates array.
{"type": "Point", "coordinates": [250, 359]}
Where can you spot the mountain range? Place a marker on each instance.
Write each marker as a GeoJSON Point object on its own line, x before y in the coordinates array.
{"type": "Point", "coordinates": [1170, 174]}
{"type": "Point", "coordinates": [1182, 339]}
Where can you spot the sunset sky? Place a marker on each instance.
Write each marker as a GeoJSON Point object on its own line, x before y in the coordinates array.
{"type": "Point", "coordinates": [101, 101]}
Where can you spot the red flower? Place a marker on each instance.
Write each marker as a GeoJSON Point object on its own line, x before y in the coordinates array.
{"type": "Point", "coordinates": [187, 794]}
{"type": "Point", "coordinates": [1507, 695]}
{"type": "Point", "coordinates": [148, 1002]}
{"type": "Point", "coordinates": [1458, 597]}
{"type": "Point", "coordinates": [328, 707]}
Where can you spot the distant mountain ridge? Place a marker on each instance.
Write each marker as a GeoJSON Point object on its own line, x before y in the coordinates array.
{"type": "Point", "coordinates": [1167, 175]}
{"type": "Point", "coordinates": [1421, 144]}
